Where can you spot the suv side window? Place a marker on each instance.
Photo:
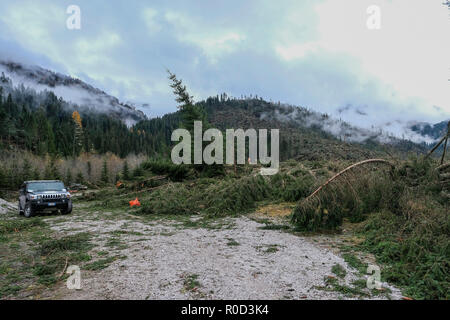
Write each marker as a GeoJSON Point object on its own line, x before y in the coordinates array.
{"type": "Point", "coordinates": [22, 190]}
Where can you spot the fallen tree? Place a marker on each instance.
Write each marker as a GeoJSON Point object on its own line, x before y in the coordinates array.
{"type": "Point", "coordinates": [344, 194]}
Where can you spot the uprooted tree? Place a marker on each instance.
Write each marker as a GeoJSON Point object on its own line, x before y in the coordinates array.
{"type": "Point", "coordinates": [344, 194]}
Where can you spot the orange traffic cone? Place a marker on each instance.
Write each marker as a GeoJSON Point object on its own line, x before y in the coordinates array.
{"type": "Point", "coordinates": [135, 202]}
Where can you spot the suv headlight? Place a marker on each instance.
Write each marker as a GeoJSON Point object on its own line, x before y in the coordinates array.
{"type": "Point", "coordinates": [35, 197]}
{"type": "Point", "coordinates": [68, 195]}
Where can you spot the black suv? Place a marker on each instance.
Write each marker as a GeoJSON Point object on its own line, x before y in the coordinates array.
{"type": "Point", "coordinates": [45, 195]}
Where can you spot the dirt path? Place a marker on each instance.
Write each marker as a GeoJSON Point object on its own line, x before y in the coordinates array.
{"type": "Point", "coordinates": [234, 259]}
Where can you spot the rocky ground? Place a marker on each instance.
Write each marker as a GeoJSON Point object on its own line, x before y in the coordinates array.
{"type": "Point", "coordinates": [231, 258]}
{"type": "Point", "coordinates": [6, 207]}
{"type": "Point", "coordinates": [247, 257]}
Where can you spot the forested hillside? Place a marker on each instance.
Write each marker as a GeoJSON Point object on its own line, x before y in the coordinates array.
{"type": "Point", "coordinates": [48, 127]}
{"type": "Point", "coordinates": [43, 124]}
{"type": "Point", "coordinates": [305, 134]}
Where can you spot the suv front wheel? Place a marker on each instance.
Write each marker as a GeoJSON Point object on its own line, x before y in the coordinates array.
{"type": "Point", "coordinates": [28, 213]}
{"type": "Point", "coordinates": [68, 210]}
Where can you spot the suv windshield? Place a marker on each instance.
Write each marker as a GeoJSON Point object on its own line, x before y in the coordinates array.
{"type": "Point", "coordinates": [45, 186]}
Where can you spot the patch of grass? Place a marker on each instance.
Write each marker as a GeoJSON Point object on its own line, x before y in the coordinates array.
{"type": "Point", "coordinates": [125, 232]}
{"type": "Point", "coordinates": [14, 246]}
{"type": "Point", "coordinates": [191, 282]}
{"type": "Point", "coordinates": [116, 243]}
{"type": "Point", "coordinates": [33, 253]}
{"type": "Point", "coordinates": [56, 253]}
{"type": "Point", "coordinates": [271, 248]}
{"type": "Point", "coordinates": [80, 256]}
{"type": "Point", "coordinates": [100, 264]}
{"type": "Point", "coordinates": [232, 242]}
{"type": "Point", "coordinates": [78, 241]}
{"type": "Point", "coordinates": [339, 271]}
{"type": "Point", "coordinates": [10, 226]}
{"type": "Point", "coordinates": [4, 268]}
{"type": "Point", "coordinates": [209, 223]}
{"type": "Point", "coordinates": [355, 262]}
{"type": "Point", "coordinates": [9, 290]}
{"type": "Point", "coordinates": [332, 284]}
{"type": "Point", "coordinates": [271, 226]}
{"type": "Point", "coordinates": [167, 234]}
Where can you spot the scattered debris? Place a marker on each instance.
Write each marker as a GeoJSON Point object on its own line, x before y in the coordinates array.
{"type": "Point", "coordinates": [6, 206]}
{"type": "Point", "coordinates": [74, 187]}
{"type": "Point", "coordinates": [120, 185]}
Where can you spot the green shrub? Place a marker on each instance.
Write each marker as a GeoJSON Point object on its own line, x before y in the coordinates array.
{"type": "Point", "coordinates": [237, 196]}
{"type": "Point", "coordinates": [166, 167]}
{"type": "Point", "coordinates": [356, 194]}
{"type": "Point", "coordinates": [415, 248]}
{"type": "Point", "coordinates": [289, 188]}
{"type": "Point", "coordinates": [228, 196]}
{"type": "Point", "coordinates": [172, 199]}
{"type": "Point", "coordinates": [138, 172]}
{"type": "Point", "coordinates": [408, 226]}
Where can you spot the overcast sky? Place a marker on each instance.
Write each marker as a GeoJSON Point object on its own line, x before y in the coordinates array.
{"type": "Point", "coordinates": [318, 54]}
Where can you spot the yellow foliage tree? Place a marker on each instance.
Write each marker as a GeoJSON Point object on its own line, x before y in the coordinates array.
{"type": "Point", "coordinates": [78, 133]}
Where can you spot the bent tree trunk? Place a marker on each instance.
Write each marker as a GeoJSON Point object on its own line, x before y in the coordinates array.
{"type": "Point", "coordinates": [345, 170]}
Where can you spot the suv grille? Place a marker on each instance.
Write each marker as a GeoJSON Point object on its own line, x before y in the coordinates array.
{"type": "Point", "coordinates": [47, 197]}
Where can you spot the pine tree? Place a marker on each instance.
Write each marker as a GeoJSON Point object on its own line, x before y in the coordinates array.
{"type": "Point", "coordinates": [89, 169]}
{"type": "Point", "coordinates": [3, 178]}
{"type": "Point", "coordinates": [105, 173]}
{"type": "Point", "coordinates": [51, 146]}
{"type": "Point", "coordinates": [68, 177]}
{"type": "Point", "coordinates": [26, 170]}
{"type": "Point", "coordinates": [125, 171]}
{"type": "Point", "coordinates": [79, 178]}
{"type": "Point", "coordinates": [36, 174]}
{"type": "Point", "coordinates": [14, 178]}
{"type": "Point", "coordinates": [10, 106]}
{"type": "Point", "coordinates": [51, 171]}
{"type": "Point", "coordinates": [138, 172]}
{"type": "Point", "coordinates": [189, 111]}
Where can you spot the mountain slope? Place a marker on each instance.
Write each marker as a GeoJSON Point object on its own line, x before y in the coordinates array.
{"type": "Point", "coordinates": [434, 131]}
{"type": "Point", "coordinates": [299, 139]}
{"type": "Point", "coordinates": [72, 90]}
{"type": "Point", "coordinates": [305, 134]}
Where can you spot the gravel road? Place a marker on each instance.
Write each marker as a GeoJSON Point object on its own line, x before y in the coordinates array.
{"type": "Point", "coordinates": [163, 260]}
